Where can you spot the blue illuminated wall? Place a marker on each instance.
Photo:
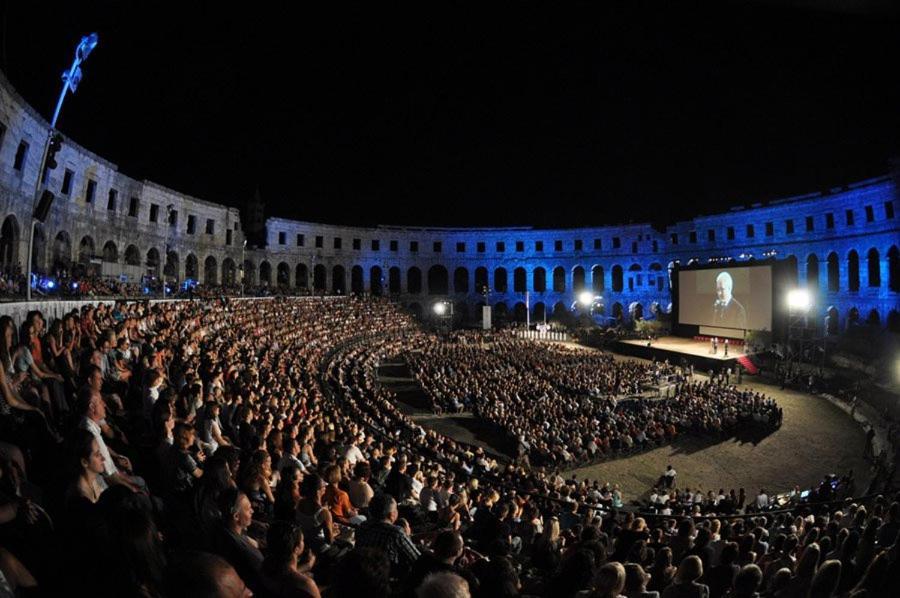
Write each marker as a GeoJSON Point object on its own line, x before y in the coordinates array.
{"type": "Point", "coordinates": [842, 244]}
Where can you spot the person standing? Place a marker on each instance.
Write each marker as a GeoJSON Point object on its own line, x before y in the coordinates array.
{"type": "Point", "coordinates": [726, 347]}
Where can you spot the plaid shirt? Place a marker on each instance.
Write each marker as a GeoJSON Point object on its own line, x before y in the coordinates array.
{"type": "Point", "coordinates": [390, 539]}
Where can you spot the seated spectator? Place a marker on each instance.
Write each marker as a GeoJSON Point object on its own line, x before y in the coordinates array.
{"type": "Point", "coordinates": [379, 532]}
{"type": "Point", "coordinates": [200, 574]}
{"type": "Point", "coordinates": [636, 582]}
{"type": "Point", "coordinates": [337, 500]}
{"type": "Point", "coordinates": [231, 540]}
{"type": "Point", "coordinates": [362, 572]}
{"type": "Point", "coordinates": [443, 585]}
{"type": "Point", "coordinates": [287, 563]}
{"type": "Point", "coordinates": [359, 489]}
{"type": "Point", "coordinates": [686, 585]}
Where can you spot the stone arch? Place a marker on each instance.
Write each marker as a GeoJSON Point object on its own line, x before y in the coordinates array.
{"type": "Point", "coordinates": [438, 280]}
{"type": "Point", "coordinates": [559, 310]}
{"type": "Point", "coordinates": [414, 281]}
{"type": "Point", "coordinates": [376, 281]}
{"type": "Point", "coordinates": [520, 312]}
{"type": "Point", "coordinates": [618, 279]}
{"type": "Point", "coordinates": [229, 271]}
{"type": "Point", "coordinates": [540, 280]}
{"type": "Point", "coordinates": [520, 280]}
{"type": "Point", "coordinates": [834, 273]}
{"type": "Point", "coordinates": [133, 255]}
{"type": "Point", "coordinates": [110, 252]}
{"type": "Point", "coordinates": [617, 311]}
{"type": "Point", "coordinates": [874, 266]}
{"type": "Point", "coordinates": [191, 267]}
{"type": "Point", "coordinates": [153, 261]}
{"type": "Point", "coordinates": [636, 311]}
{"type": "Point", "coordinates": [339, 280]}
{"type": "Point", "coordinates": [501, 283]}
{"type": "Point", "coordinates": [172, 263]}
{"type": "Point", "coordinates": [461, 280]}
{"type": "Point", "coordinates": [853, 270]}
{"type": "Point", "coordinates": [832, 321]}
{"type": "Point", "coordinates": [301, 276]}
{"type": "Point", "coordinates": [559, 279]}
{"type": "Point", "coordinates": [812, 273]}
{"type": "Point", "coordinates": [62, 251]}
{"type": "Point", "coordinates": [540, 311]}
{"type": "Point", "coordinates": [578, 279]}
{"type": "Point", "coordinates": [357, 285]}
{"type": "Point", "coordinates": [39, 249]}
{"type": "Point", "coordinates": [320, 273]}
{"type": "Point", "coordinates": [9, 242]}
{"type": "Point", "coordinates": [481, 279]}
{"type": "Point", "coordinates": [501, 312]}
{"type": "Point", "coordinates": [265, 273]}
{"type": "Point", "coordinates": [248, 274]}
{"type": "Point", "coordinates": [86, 250]}
{"type": "Point", "coordinates": [394, 285]}
{"type": "Point", "coordinates": [893, 268]}
{"type": "Point", "coordinates": [597, 282]}
{"type": "Point", "coordinates": [210, 270]}
{"type": "Point", "coordinates": [873, 319]}
{"type": "Point", "coordinates": [283, 274]}
{"type": "Point", "coordinates": [893, 321]}
{"type": "Point", "coordinates": [791, 271]}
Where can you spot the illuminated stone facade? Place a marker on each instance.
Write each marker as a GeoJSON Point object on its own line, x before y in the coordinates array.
{"type": "Point", "coordinates": [844, 243]}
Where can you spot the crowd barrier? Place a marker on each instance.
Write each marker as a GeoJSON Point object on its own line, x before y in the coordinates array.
{"type": "Point", "coordinates": [543, 335]}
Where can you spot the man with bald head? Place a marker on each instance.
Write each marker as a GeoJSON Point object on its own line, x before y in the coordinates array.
{"type": "Point", "coordinates": [727, 311]}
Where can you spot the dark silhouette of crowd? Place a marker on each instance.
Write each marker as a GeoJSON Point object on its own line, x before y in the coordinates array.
{"type": "Point", "coordinates": [230, 447]}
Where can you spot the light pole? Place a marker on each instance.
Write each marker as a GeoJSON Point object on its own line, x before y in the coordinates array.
{"type": "Point", "coordinates": [71, 79]}
{"type": "Point", "coordinates": [243, 248]}
{"type": "Point", "coordinates": [169, 209]}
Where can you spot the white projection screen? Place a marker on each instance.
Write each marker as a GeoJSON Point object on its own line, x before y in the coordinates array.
{"type": "Point", "coordinates": [737, 298]}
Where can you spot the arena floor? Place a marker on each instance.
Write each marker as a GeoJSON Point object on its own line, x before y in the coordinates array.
{"type": "Point", "coordinates": [816, 439]}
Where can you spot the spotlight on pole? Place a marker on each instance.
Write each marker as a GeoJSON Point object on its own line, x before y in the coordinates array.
{"type": "Point", "coordinates": [440, 308]}
{"type": "Point", "coordinates": [586, 298]}
{"type": "Point", "coordinates": [799, 300]}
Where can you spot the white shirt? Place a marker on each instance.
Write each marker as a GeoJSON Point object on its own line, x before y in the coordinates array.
{"type": "Point", "coordinates": [762, 501]}
{"type": "Point", "coordinates": [109, 466]}
{"type": "Point", "coordinates": [353, 455]}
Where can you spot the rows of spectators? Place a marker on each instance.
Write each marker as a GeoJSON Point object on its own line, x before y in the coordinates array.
{"type": "Point", "coordinates": [217, 448]}
{"type": "Point", "coordinates": [565, 406]}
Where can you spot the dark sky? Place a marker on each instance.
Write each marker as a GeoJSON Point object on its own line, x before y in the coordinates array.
{"type": "Point", "coordinates": [465, 117]}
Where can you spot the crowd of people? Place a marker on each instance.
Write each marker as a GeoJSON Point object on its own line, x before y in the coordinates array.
{"type": "Point", "coordinates": [227, 448]}
{"type": "Point", "coordinates": [564, 406]}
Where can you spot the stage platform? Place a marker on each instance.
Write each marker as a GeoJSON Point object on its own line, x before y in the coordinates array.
{"type": "Point", "coordinates": [676, 349]}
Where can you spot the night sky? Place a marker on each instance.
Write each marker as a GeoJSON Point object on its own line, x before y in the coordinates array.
{"type": "Point", "coordinates": [464, 117]}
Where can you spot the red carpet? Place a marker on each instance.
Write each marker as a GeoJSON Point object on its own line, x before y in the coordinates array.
{"type": "Point", "coordinates": [748, 365]}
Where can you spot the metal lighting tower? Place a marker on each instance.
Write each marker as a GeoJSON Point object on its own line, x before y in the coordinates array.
{"type": "Point", "coordinates": [71, 79]}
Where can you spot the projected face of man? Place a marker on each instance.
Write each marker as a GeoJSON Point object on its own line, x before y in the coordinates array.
{"type": "Point", "coordinates": [724, 284]}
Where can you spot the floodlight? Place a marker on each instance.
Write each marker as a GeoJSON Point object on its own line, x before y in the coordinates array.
{"type": "Point", "coordinates": [799, 300]}
{"type": "Point", "coordinates": [440, 308]}
{"type": "Point", "coordinates": [586, 298]}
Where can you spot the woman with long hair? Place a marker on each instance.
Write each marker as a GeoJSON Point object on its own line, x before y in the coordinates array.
{"type": "Point", "coordinates": [255, 481]}
{"type": "Point", "coordinates": [88, 482]}
{"type": "Point", "coordinates": [312, 515]}
{"type": "Point", "coordinates": [546, 553]}
{"type": "Point", "coordinates": [287, 493]}
{"type": "Point", "coordinates": [283, 573]}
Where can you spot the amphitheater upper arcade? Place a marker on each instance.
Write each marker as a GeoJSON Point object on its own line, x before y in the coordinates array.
{"type": "Point", "coordinates": [844, 242]}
